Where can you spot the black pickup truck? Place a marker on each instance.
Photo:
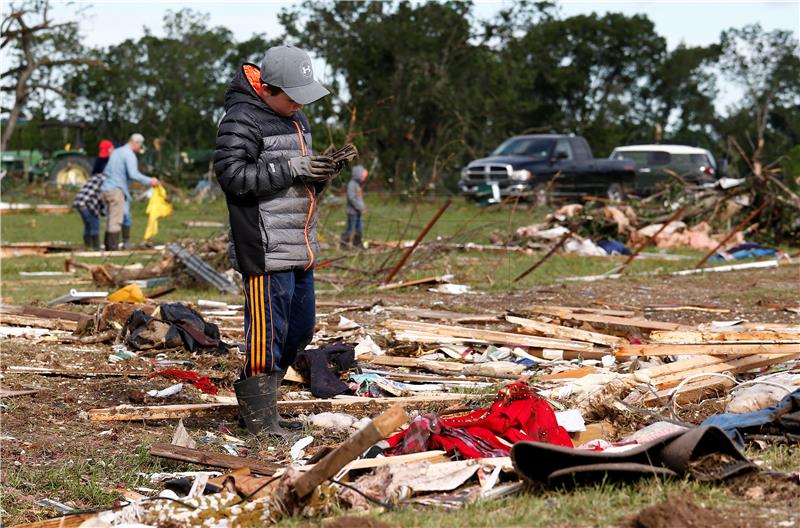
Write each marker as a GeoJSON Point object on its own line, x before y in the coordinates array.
{"type": "Point", "coordinates": [542, 166]}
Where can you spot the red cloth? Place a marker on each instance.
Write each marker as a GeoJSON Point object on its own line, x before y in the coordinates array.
{"type": "Point", "coordinates": [203, 383]}
{"type": "Point", "coordinates": [517, 416]}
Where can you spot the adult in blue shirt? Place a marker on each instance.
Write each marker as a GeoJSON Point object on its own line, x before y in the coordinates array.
{"type": "Point", "coordinates": [122, 167]}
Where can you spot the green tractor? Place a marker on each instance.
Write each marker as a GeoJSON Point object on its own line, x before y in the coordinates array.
{"type": "Point", "coordinates": [69, 166]}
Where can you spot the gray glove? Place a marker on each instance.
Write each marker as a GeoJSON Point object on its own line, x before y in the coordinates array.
{"type": "Point", "coordinates": [312, 168]}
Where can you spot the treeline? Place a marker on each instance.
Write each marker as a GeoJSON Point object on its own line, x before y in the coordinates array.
{"type": "Point", "coordinates": [422, 88]}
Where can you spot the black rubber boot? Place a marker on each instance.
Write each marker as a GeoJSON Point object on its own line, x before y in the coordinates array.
{"type": "Point", "coordinates": [95, 239]}
{"type": "Point", "coordinates": [294, 425]}
{"type": "Point", "coordinates": [126, 237]}
{"type": "Point", "coordinates": [112, 241]}
{"type": "Point", "coordinates": [87, 241]}
{"type": "Point", "coordinates": [258, 405]}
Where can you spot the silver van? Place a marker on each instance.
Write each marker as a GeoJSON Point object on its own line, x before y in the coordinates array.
{"type": "Point", "coordinates": [657, 163]}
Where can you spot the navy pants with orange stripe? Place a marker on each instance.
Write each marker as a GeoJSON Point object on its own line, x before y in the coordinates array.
{"type": "Point", "coordinates": [279, 316]}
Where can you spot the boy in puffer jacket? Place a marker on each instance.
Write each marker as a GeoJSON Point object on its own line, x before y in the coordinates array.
{"type": "Point", "coordinates": [271, 179]}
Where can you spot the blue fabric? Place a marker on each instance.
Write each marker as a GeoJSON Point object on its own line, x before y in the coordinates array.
{"type": "Point", "coordinates": [613, 247]}
{"type": "Point", "coordinates": [747, 253]}
{"type": "Point", "coordinates": [91, 222]}
{"type": "Point", "coordinates": [121, 169]}
{"type": "Point", "coordinates": [126, 218]}
{"type": "Point", "coordinates": [354, 225]}
{"type": "Point", "coordinates": [786, 414]}
{"type": "Point", "coordinates": [279, 319]}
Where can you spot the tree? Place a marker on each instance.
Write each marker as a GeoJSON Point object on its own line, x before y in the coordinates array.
{"type": "Point", "coordinates": [767, 67]}
{"type": "Point", "coordinates": [171, 88]}
{"type": "Point", "coordinates": [43, 51]}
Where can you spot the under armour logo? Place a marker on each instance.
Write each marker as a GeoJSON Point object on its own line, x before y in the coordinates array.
{"type": "Point", "coordinates": [305, 69]}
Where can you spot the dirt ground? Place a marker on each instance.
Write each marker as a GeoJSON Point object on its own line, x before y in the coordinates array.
{"type": "Point", "coordinates": [50, 447]}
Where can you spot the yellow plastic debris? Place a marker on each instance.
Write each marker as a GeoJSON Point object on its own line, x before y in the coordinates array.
{"type": "Point", "coordinates": [158, 207]}
{"type": "Point", "coordinates": [129, 294]}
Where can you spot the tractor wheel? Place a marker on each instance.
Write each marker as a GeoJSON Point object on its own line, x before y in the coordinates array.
{"type": "Point", "coordinates": [70, 170]}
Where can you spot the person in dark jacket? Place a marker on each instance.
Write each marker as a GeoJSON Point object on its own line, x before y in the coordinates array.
{"type": "Point", "coordinates": [353, 235]}
{"type": "Point", "coordinates": [272, 180]}
{"type": "Point", "coordinates": [88, 202]}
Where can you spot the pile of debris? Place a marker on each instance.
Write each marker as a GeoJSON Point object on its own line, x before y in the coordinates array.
{"type": "Point", "coordinates": [470, 407]}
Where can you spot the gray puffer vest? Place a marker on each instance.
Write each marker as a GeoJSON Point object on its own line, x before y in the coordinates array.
{"type": "Point", "coordinates": [273, 216]}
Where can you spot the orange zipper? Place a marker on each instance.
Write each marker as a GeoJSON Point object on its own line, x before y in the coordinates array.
{"type": "Point", "coordinates": [304, 152]}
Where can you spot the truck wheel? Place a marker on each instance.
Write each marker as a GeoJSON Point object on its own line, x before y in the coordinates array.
{"type": "Point", "coordinates": [72, 169]}
{"type": "Point", "coordinates": [540, 196]}
{"type": "Point", "coordinates": [615, 193]}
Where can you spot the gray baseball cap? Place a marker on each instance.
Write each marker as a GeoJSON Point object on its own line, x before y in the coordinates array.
{"type": "Point", "coordinates": [289, 68]}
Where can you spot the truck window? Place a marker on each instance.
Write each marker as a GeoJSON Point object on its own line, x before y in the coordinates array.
{"type": "Point", "coordinates": [580, 148]}
{"type": "Point", "coordinates": [532, 147]}
{"type": "Point", "coordinates": [563, 146]}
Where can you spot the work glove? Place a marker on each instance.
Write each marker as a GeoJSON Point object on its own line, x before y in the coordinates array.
{"type": "Point", "coordinates": [312, 168]}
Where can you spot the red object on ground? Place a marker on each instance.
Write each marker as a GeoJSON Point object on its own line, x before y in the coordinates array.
{"type": "Point", "coordinates": [203, 383]}
{"type": "Point", "coordinates": [518, 415]}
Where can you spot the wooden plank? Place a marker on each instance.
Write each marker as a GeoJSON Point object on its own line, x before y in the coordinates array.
{"type": "Point", "coordinates": [505, 338]}
{"type": "Point", "coordinates": [67, 521]}
{"type": "Point", "coordinates": [636, 322]}
{"type": "Point", "coordinates": [570, 374]}
{"type": "Point", "coordinates": [414, 282]}
{"type": "Point", "coordinates": [444, 315]}
{"type": "Point", "coordinates": [80, 373]}
{"type": "Point", "coordinates": [6, 393]}
{"type": "Point", "coordinates": [380, 428]}
{"type": "Point", "coordinates": [368, 463]}
{"type": "Point", "coordinates": [728, 349]}
{"type": "Point", "coordinates": [38, 322]}
{"type": "Point", "coordinates": [692, 392]}
{"type": "Point", "coordinates": [502, 370]}
{"type": "Point", "coordinates": [700, 336]}
{"type": "Point", "coordinates": [205, 458]}
{"type": "Point", "coordinates": [685, 308]}
{"type": "Point", "coordinates": [682, 365]}
{"type": "Point", "coordinates": [564, 332]}
{"type": "Point", "coordinates": [47, 313]}
{"type": "Point", "coordinates": [741, 364]}
{"type": "Point", "coordinates": [363, 406]}
{"type": "Point", "coordinates": [566, 310]}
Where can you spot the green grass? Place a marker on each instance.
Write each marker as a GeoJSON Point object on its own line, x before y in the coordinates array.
{"type": "Point", "coordinates": [83, 483]}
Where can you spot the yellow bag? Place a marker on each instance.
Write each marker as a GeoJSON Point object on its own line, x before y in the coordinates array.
{"type": "Point", "coordinates": [129, 294]}
{"type": "Point", "coordinates": [157, 207]}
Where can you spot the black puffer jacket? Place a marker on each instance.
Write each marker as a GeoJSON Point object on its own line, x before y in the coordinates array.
{"type": "Point", "coordinates": [273, 217]}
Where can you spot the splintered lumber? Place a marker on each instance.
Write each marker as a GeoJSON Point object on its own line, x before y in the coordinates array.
{"type": "Point", "coordinates": [700, 336]}
{"type": "Point", "coordinates": [79, 373]}
{"type": "Point", "coordinates": [691, 392]}
{"type": "Point", "coordinates": [409, 250]}
{"type": "Point", "coordinates": [564, 332]}
{"type": "Point", "coordinates": [414, 282]}
{"type": "Point", "coordinates": [492, 369]}
{"type": "Point", "coordinates": [733, 231]}
{"type": "Point", "coordinates": [378, 429]}
{"type": "Point", "coordinates": [558, 311]}
{"type": "Point", "coordinates": [67, 521]}
{"type": "Point", "coordinates": [682, 365]}
{"type": "Point", "coordinates": [570, 374]}
{"type": "Point", "coordinates": [38, 322]}
{"type": "Point", "coordinates": [5, 393]}
{"type": "Point", "coordinates": [188, 454]}
{"type": "Point", "coordinates": [45, 313]}
{"type": "Point", "coordinates": [443, 315]}
{"type": "Point", "coordinates": [353, 405]}
{"type": "Point", "coordinates": [741, 364]}
{"type": "Point", "coordinates": [727, 349]}
{"type": "Point", "coordinates": [493, 336]}
{"type": "Point", "coordinates": [636, 322]}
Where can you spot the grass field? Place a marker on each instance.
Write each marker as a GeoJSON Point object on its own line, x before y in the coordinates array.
{"type": "Point", "coordinates": [388, 220]}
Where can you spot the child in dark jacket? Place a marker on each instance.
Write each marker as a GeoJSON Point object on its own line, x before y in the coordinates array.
{"type": "Point", "coordinates": [353, 235]}
{"type": "Point", "coordinates": [272, 179]}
